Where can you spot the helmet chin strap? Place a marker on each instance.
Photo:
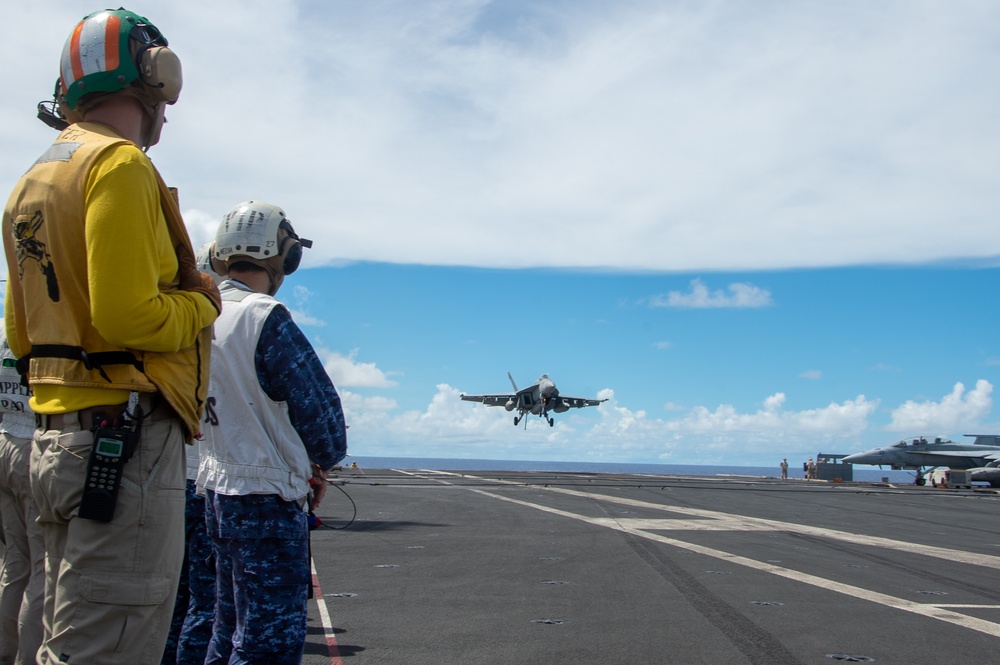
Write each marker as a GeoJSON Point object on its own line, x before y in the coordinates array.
{"type": "Point", "coordinates": [276, 281]}
{"type": "Point", "coordinates": [155, 127]}
{"type": "Point", "coordinates": [156, 112]}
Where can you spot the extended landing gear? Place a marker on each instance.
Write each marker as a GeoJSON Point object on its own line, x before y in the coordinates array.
{"type": "Point", "coordinates": [549, 420]}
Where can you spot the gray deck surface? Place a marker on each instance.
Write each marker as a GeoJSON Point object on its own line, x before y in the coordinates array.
{"type": "Point", "coordinates": [514, 567]}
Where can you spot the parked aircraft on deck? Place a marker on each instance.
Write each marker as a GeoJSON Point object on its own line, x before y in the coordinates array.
{"type": "Point", "coordinates": [920, 452]}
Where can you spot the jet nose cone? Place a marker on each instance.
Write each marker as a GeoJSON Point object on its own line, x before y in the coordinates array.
{"type": "Point", "coordinates": [867, 457]}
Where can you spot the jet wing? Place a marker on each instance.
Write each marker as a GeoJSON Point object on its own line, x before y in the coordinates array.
{"type": "Point", "coordinates": [972, 454]}
{"type": "Point", "coordinates": [490, 400]}
{"type": "Point", "coordinates": [578, 402]}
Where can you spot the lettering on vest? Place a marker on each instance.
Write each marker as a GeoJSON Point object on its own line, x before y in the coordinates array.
{"type": "Point", "coordinates": [29, 246]}
{"type": "Point", "coordinates": [211, 417]}
{"type": "Point", "coordinates": [14, 388]}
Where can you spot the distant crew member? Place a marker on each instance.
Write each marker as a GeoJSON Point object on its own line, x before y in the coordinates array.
{"type": "Point", "coordinates": [22, 573]}
{"type": "Point", "coordinates": [194, 607]}
{"type": "Point", "coordinates": [784, 469]}
{"type": "Point", "coordinates": [810, 469]}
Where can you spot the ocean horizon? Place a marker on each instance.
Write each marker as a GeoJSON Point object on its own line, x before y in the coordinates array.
{"type": "Point", "coordinates": [863, 474]}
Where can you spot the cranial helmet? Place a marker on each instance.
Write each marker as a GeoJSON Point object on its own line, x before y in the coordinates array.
{"type": "Point", "coordinates": [203, 262]}
{"type": "Point", "coordinates": [258, 233]}
{"type": "Point", "coordinates": [115, 49]}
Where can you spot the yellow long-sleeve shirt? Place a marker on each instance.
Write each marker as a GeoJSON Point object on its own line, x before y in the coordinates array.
{"type": "Point", "coordinates": [129, 278]}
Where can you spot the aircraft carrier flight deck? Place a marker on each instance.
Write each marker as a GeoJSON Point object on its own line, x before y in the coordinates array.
{"type": "Point", "coordinates": [442, 567]}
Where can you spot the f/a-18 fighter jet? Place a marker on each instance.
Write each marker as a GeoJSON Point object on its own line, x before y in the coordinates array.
{"type": "Point", "coordinates": [931, 452]}
{"type": "Point", "coordinates": [538, 399]}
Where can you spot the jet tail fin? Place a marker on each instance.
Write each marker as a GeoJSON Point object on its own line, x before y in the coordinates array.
{"type": "Point", "coordinates": [512, 382]}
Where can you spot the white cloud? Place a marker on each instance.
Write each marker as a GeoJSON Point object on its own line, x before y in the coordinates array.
{"type": "Point", "coordinates": [450, 427]}
{"type": "Point", "coordinates": [737, 295]}
{"type": "Point", "coordinates": [849, 417]}
{"type": "Point", "coordinates": [642, 134]}
{"type": "Point", "coordinates": [304, 319]}
{"type": "Point", "coordinates": [200, 226]}
{"type": "Point", "coordinates": [662, 346]}
{"type": "Point", "coordinates": [813, 374]}
{"type": "Point", "coordinates": [302, 296]}
{"type": "Point", "coordinates": [957, 410]}
{"type": "Point", "coordinates": [347, 372]}
{"type": "Point", "coordinates": [360, 404]}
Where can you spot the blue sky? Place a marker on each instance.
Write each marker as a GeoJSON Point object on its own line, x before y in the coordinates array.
{"type": "Point", "coordinates": [759, 229]}
{"type": "Point", "coordinates": [696, 370]}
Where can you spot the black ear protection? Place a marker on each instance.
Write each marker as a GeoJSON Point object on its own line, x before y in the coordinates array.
{"type": "Point", "coordinates": [291, 253]}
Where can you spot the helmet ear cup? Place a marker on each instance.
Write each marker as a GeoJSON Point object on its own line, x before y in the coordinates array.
{"type": "Point", "coordinates": [290, 248]}
{"type": "Point", "coordinates": [292, 256]}
{"type": "Point", "coordinates": [218, 265]}
{"type": "Point", "coordinates": [160, 71]}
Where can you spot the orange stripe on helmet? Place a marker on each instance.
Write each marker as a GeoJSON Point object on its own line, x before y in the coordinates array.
{"type": "Point", "coordinates": [111, 55]}
{"type": "Point", "coordinates": [74, 54]}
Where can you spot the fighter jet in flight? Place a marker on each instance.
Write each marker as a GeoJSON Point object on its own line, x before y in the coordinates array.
{"type": "Point", "coordinates": [537, 399]}
{"type": "Point", "coordinates": [919, 453]}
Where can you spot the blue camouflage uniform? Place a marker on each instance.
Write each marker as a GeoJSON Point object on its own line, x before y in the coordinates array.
{"type": "Point", "coordinates": [261, 541]}
{"type": "Point", "coordinates": [194, 609]}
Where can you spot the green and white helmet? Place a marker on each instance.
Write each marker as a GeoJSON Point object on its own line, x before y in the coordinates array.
{"type": "Point", "coordinates": [113, 49]}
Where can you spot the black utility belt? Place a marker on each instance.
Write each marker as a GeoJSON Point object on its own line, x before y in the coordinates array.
{"type": "Point", "coordinates": [153, 405]}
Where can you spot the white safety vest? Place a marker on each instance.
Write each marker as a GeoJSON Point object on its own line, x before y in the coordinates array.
{"type": "Point", "coordinates": [18, 419]}
{"type": "Point", "coordinates": [249, 444]}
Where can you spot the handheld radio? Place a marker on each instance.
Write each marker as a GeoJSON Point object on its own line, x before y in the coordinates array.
{"type": "Point", "coordinates": [113, 446]}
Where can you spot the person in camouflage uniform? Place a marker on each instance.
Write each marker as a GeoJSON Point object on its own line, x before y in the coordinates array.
{"type": "Point", "coordinates": [273, 421]}
{"type": "Point", "coordinates": [194, 607]}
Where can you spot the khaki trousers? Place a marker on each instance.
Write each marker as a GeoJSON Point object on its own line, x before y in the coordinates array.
{"type": "Point", "coordinates": [110, 587]}
{"type": "Point", "coordinates": [22, 574]}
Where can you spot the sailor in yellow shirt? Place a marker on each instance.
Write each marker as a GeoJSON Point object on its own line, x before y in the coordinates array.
{"type": "Point", "coordinates": [125, 234]}
{"type": "Point", "coordinates": [110, 322]}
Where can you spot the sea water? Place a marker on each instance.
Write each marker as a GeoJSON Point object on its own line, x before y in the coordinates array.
{"type": "Point", "coordinates": [444, 464]}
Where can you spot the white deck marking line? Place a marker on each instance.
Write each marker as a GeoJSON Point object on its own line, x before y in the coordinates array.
{"type": "Point", "coordinates": [324, 616]}
{"type": "Point", "coordinates": [763, 524]}
{"type": "Point", "coordinates": [928, 610]}
{"type": "Point", "coordinates": [731, 524]}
